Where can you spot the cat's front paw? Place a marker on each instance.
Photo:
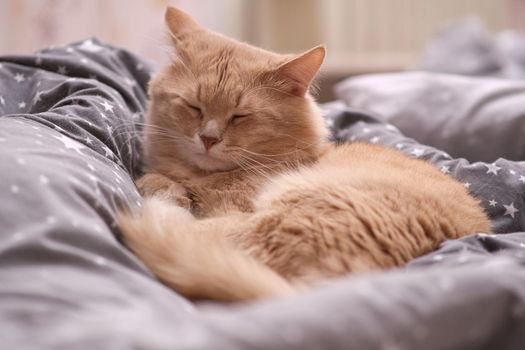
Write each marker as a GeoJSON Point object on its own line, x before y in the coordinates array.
{"type": "Point", "coordinates": [160, 186]}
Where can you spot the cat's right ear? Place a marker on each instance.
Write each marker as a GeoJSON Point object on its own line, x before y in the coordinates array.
{"type": "Point", "coordinates": [301, 71]}
{"type": "Point", "coordinates": [179, 23]}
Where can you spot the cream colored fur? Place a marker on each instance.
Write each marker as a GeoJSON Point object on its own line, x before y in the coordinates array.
{"type": "Point", "coordinates": [272, 207]}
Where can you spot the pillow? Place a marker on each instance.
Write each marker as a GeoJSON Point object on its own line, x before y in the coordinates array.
{"type": "Point", "coordinates": [480, 119]}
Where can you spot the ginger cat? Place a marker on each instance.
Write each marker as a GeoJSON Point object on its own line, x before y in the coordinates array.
{"type": "Point", "coordinates": [245, 199]}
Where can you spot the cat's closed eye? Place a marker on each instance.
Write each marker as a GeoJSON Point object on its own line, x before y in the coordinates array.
{"type": "Point", "coordinates": [195, 109]}
{"type": "Point", "coordinates": [238, 117]}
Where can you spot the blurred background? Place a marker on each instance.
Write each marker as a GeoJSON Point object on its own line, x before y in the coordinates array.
{"type": "Point", "coordinates": [362, 36]}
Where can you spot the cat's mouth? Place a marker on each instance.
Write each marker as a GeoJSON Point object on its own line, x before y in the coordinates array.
{"type": "Point", "coordinates": [209, 162]}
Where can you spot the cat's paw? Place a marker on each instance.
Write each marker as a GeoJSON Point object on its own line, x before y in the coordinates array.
{"type": "Point", "coordinates": [160, 186]}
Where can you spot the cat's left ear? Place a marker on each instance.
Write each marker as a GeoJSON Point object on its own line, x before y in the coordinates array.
{"type": "Point", "coordinates": [179, 23]}
{"type": "Point", "coordinates": [301, 70]}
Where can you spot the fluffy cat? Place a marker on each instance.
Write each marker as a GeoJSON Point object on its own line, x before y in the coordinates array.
{"type": "Point", "coordinates": [245, 199]}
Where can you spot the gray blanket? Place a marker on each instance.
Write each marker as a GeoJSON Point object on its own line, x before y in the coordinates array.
{"type": "Point", "coordinates": [69, 149]}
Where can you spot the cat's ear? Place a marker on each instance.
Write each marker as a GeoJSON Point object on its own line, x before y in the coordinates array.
{"type": "Point", "coordinates": [179, 23]}
{"type": "Point", "coordinates": [301, 70]}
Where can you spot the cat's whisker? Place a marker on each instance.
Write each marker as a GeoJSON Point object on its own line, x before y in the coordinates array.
{"type": "Point", "coordinates": [256, 167]}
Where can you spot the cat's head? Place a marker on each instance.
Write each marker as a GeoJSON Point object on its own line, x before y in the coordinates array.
{"type": "Point", "coordinates": [222, 104]}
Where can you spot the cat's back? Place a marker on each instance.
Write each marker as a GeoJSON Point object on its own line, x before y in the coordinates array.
{"type": "Point", "coordinates": [383, 183]}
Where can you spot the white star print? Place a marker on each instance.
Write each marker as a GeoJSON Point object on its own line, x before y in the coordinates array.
{"type": "Point", "coordinates": [19, 78]}
{"type": "Point", "coordinates": [91, 167]}
{"type": "Point", "coordinates": [37, 98]}
{"type": "Point", "coordinates": [418, 152]}
{"type": "Point", "coordinates": [437, 257]}
{"type": "Point", "coordinates": [492, 203]}
{"type": "Point", "coordinates": [522, 179]}
{"type": "Point", "coordinates": [22, 105]}
{"type": "Point", "coordinates": [110, 129]}
{"type": "Point", "coordinates": [69, 143]}
{"type": "Point", "coordinates": [44, 179]}
{"type": "Point", "coordinates": [130, 82]}
{"type": "Point", "coordinates": [512, 172]}
{"type": "Point", "coordinates": [510, 209]}
{"type": "Point", "coordinates": [69, 49]}
{"type": "Point", "coordinates": [366, 130]}
{"type": "Point", "coordinates": [374, 139]}
{"type": "Point", "coordinates": [84, 60]}
{"type": "Point", "coordinates": [62, 70]}
{"type": "Point", "coordinates": [18, 236]}
{"type": "Point", "coordinates": [391, 127]}
{"type": "Point", "coordinates": [88, 45]}
{"type": "Point", "coordinates": [92, 177]}
{"type": "Point", "coordinates": [492, 169]}
{"type": "Point", "coordinates": [467, 184]}
{"type": "Point", "coordinates": [445, 169]}
{"type": "Point", "coordinates": [107, 106]}
{"type": "Point", "coordinates": [109, 153]}
{"type": "Point", "coordinates": [100, 261]}
{"type": "Point", "coordinates": [88, 140]}
{"type": "Point", "coordinates": [399, 146]}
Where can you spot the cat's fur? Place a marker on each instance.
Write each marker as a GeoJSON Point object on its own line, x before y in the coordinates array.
{"type": "Point", "coordinates": [271, 206]}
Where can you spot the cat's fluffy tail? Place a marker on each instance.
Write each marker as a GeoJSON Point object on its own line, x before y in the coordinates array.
{"type": "Point", "coordinates": [195, 258]}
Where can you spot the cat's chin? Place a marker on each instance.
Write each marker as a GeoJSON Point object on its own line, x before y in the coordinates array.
{"type": "Point", "coordinates": [212, 164]}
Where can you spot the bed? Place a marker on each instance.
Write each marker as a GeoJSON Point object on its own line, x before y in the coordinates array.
{"type": "Point", "coordinates": [70, 126]}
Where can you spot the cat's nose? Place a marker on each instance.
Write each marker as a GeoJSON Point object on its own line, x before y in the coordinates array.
{"type": "Point", "coordinates": [208, 141]}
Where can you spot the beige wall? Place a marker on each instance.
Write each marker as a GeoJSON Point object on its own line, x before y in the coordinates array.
{"type": "Point", "coordinates": [363, 34]}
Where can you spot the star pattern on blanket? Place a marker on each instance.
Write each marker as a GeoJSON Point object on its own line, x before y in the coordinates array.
{"type": "Point", "coordinates": [19, 77]}
{"type": "Point", "coordinates": [107, 106]}
{"type": "Point", "coordinates": [89, 46]}
{"type": "Point", "coordinates": [418, 152]}
{"type": "Point", "coordinates": [510, 209]}
{"type": "Point", "coordinates": [62, 70]}
{"type": "Point", "coordinates": [69, 143]}
{"type": "Point", "coordinates": [492, 168]}
{"type": "Point", "coordinates": [475, 180]}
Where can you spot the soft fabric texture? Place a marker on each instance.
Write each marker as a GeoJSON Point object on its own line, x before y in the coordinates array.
{"type": "Point", "coordinates": [481, 119]}
{"type": "Point", "coordinates": [476, 52]}
{"type": "Point", "coordinates": [66, 281]}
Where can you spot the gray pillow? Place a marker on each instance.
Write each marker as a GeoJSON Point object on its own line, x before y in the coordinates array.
{"type": "Point", "coordinates": [480, 119]}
